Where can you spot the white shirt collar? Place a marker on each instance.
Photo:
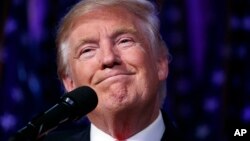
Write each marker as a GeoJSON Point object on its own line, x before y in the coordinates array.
{"type": "Point", "coordinates": [153, 132]}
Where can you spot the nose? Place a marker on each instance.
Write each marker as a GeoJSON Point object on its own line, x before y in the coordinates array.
{"type": "Point", "coordinates": [110, 57]}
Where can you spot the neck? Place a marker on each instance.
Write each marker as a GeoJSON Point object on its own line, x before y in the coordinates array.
{"type": "Point", "coordinates": [124, 124]}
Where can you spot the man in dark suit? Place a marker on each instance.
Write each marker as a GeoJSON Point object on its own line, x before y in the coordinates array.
{"type": "Point", "coordinates": [114, 47]}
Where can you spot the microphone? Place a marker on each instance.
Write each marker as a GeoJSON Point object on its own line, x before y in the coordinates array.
{"type": "Point", "coordinates": [72, 106]}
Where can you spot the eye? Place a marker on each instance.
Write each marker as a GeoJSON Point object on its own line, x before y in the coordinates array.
{"type": "Point", "coordinates": [87, 52]}
{"type": "Point", "coordinates": [125, 42]}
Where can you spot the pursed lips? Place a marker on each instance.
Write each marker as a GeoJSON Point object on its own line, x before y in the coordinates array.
{"type": "Point", "coordinates": [110, 75]}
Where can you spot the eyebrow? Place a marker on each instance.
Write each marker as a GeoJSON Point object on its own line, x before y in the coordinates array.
{"type": "Point", "coordinates": [123, 30]}
{"type": "Point", "coordinates": [82, 42]}
{"type": "Point", "coordinates": [85, 41]}
{"type": "Point", "coordinates": [114, 34]}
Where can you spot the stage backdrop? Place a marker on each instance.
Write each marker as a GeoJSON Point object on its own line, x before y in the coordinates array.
{"type": "Point", "coordinates": [208, 86]}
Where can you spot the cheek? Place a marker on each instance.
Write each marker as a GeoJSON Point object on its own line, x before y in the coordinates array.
{"type": "Point", "coordinates": [141, 59]}
{"type": "Point", "coordinates": [145, 67]}
{"type": "Point", "coordinates": [135, 56]}
{"type": "Point", "coordinates": [83, 71]}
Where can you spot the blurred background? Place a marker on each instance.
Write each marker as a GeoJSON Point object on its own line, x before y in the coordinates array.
{"type": "Point", "coordinates": [209, 81]}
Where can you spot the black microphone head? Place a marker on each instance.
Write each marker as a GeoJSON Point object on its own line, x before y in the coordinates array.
{"type": "Point", "coordinates": [82, 100]}
{"type": "Point", "coordinates": [73, 105]}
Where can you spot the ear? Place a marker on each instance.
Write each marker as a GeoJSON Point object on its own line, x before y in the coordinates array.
{"type": "Point", "coordinates": [68, 83]}
{"type": "Point", "coordinates": [162, 67]}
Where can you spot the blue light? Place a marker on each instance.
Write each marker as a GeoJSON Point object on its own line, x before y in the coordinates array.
{"type": "Point", "coordinates": [246, 23]}
{"type": "Point", "coordinates": [211, 104]}
{"type": "Point", "coordinates": [246, 114]}
{"type": "Point", "coordinates": [218, 77]}
{"type": "Point", "coordinates": [17, 95]}
{"type": "Point", "coordinates": [8, 121]}
{"type": "Point", "coordinates": [10, 26]}
{"type": "Point", "coordinates": [235, 22]}
{"type": "Point", "coordinates": [202, 131]}
{"type": "Point", "coordinates": [34, 85]}
{"type": "Point", "coordinates": [22, 74]}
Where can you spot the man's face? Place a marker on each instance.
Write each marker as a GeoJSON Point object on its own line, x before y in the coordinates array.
{"type": "Point", "coordinates": [110, 52]}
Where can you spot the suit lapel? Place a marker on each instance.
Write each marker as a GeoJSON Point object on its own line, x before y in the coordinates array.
{"type": "Point", "coordinates": [84, 135]}
{"type": "Point", "coordinates": [170, 133]}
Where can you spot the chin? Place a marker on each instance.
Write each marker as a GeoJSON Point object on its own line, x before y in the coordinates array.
{"type": "Point", "coordinates": [119, 105]}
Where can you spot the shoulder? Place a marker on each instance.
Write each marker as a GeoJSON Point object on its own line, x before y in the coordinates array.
{"type": "Point", "coordinates": [71, 133]}
{"type": "Point", "coordinates": [172, 130]}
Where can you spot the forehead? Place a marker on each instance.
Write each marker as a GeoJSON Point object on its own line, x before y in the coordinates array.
{"type": "Point", "coordinates": [115, 15]}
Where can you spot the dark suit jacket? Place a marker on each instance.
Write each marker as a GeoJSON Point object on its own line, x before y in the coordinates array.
{"type": "Point", "coordinates": [171, 133]}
